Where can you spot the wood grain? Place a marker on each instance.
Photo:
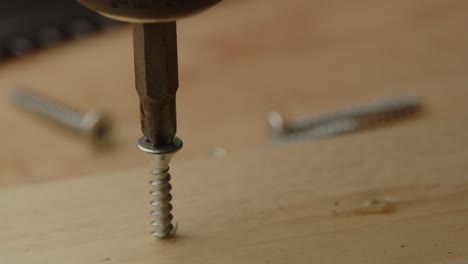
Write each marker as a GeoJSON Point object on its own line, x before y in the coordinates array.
{"type": "Point", "coordinates": [393, 196]}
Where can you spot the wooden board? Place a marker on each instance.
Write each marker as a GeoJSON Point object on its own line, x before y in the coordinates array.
{"type": "Point", "coordinates": [237, 62]}
{"type": "Point", "coordinates": [392, 195]}
{"type": "Point", "coordinates": [381, 197]}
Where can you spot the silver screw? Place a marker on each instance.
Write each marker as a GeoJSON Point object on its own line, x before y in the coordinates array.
{"type": "Point", "coordinates": [340, 122]}
{"type": "Point", "coordinates": [95, 125]}
{"type": "Point", "coordinates": [161, 188]}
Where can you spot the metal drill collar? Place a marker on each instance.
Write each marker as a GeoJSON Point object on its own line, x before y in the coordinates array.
{"type": "Point", "coordinates": [148, 11]}
{"type": "Point", "coordinates": [146, 146]}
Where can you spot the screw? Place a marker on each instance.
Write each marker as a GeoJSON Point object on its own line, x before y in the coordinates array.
{"type": "Point", "coordinates": [160, 157]}
{"type": "Point", "coordinates": [49, 37]}
{"type": "Point", "coordinates": [95, 125]}
{"type": "Point", "coordinates": [19, 46]}
{"type": "Point", "coordinates": [340, 122]}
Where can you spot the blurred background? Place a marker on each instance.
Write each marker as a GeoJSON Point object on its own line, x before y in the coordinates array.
{"type": "Point", "coordinates": [238, 62]}
{"type": "Point", "coordinates": [27, 26]}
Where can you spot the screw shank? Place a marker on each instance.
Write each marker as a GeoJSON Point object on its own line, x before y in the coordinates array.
{"type": "Point", "coordinates": [157, 80]}
{"type": "Point", "coordinates": [45, 107]}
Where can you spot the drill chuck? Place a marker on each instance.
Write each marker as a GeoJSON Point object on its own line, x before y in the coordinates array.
{"type": "Point", "coordinates": [148, 11]}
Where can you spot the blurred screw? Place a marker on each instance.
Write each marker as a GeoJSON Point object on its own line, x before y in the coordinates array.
{"type": "Point", "coordinates": [49, 37]}
{"type": "Point", "coordinates": [19, 46]}
{"type": "Point", "coordinates": [80, 27]}
{"type": "Point", "coordinates": [95, 125]}
{"type": "Point", "coordinates": [103, 23]}
{"type": "Point", "coordinates": [344, 121]}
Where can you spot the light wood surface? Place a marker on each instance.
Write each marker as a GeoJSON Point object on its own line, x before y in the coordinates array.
{"type": "Point", "coordinates": [398, 194]}
{"type": "Point", "coordinates": [384, 197]}
{"type": "Point", "coordinates": [238, 61]}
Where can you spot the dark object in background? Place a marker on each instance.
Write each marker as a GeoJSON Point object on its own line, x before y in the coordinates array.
{"type": "Point", "coordinates": [27, 25]}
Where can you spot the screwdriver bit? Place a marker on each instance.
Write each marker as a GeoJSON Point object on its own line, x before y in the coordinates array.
{"type": "Point", "coordinates": [157, 80]}
{"type": "Point", "coordinates": [155, 51]}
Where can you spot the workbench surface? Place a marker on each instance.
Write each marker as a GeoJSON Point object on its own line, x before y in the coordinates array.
{"type": "Point", "coordinates": [396, 194]}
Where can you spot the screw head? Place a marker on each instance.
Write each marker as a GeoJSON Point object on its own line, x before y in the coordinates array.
{"type": "Point", "coordinates": [98, 126]}
{"type": "Point", "coordinates": [148, 11]}
{"type": "Point", "coordinates": [276, 123]}
{"type": "Point", "coordinates": [145, 145]}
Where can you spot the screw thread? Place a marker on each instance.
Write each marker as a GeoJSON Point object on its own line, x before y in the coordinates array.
{"type": "Point", "coordinates": [160, 186]}
{"type": "Point", "coordinates": [341, 122]}
{"type": "Point", "coordinates": [386, 111]}
{"type": "Point", "coordinates": [161, 202]}
{"type": "Point", "coordinates": [370, 114]}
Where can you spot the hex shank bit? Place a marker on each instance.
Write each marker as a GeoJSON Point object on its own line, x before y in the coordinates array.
{"type": "Point", "coordinates": [157, 80]}
{"type": "Point", "coordinates": [156, 70]}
